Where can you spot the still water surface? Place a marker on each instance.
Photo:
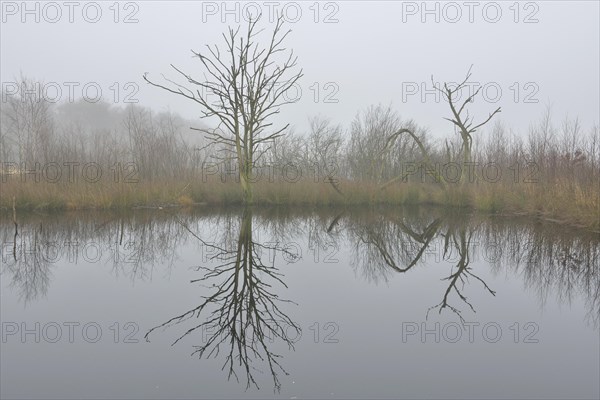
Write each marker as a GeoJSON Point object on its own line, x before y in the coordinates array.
{"type": "Point", "coordinates": [402, 303]}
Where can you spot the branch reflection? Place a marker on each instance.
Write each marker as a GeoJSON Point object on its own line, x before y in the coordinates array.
{"type": "Point", "coordinates": [242, 315]}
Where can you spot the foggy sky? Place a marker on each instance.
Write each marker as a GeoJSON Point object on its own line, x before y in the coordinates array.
{"type": "Point", "coordinates": [367, 53]}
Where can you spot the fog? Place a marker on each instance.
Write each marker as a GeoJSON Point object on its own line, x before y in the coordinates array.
{"type": "Point", "coordinates": [363, 183]}
{"type": "Point", "coordinates": [526, 55]}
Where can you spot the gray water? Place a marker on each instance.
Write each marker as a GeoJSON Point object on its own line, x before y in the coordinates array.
{"type": "Point", "coordinates": [355, 303]}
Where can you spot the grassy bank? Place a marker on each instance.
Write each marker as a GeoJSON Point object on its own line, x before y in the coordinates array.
{"type": "Point", "coordinates": [549, 171]}
{"type": "Point", "coordinates": [562, 201]}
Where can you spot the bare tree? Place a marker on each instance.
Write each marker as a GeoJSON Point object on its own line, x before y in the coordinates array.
{"type": "Point", "coordinates": [380, 142]}
{"type": "Point", "coordinates": [248, 85]}
{"type": "Point", "coordinates": [27, 123]}
{"type": "Point", "coordinates": [369, 135]}
{"type": "Point", "coordinates": [463, 122]}
{"type": "Point", "coordinates": [324, 146]}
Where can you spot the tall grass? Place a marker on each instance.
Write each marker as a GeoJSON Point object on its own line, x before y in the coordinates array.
{"type": "Point", "coordinates": [563, 201]}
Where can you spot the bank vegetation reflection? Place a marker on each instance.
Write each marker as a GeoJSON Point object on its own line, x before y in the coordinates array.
{"type": "Point", "coordinates": [243, 312]}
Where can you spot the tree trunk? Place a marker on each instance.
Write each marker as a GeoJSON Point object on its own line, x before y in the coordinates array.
{"type": "Point", "coordinates": [245, 181]}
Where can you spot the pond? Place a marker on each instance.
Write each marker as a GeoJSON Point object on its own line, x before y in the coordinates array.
{"type": "Point", "coordinates": [298, 303]}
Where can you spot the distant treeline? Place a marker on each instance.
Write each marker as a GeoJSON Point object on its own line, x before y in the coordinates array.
{"type": "Point", "coordinates": [96, 155]}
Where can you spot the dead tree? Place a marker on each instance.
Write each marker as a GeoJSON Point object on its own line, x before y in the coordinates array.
{"type": "Point", "coordinates": [247, 85]}
{"type": "Point", "coordinates": [426, 158]}
{"type": "Point", "coordinates": [463, 122]}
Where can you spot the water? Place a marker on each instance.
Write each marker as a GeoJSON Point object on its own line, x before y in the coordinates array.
{"type": "Point", "coordinates": [385, 303]}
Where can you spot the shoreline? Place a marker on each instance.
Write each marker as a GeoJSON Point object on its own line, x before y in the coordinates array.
{"type": "Point", "coordinates": [467, 201]}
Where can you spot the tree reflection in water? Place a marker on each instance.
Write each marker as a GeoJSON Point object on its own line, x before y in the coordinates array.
{"type": "Point", "coordinates": [399, 243]}
{"type": "Point", "coordinates": [549, 259]}
{"type": "Point", "coordinates": [243, 313]}
{"type": "Point", "coordinates": [28, 265]}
